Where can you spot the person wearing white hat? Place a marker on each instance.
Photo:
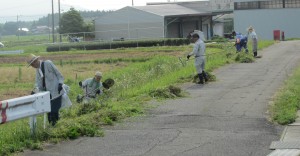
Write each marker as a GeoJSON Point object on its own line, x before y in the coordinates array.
{"type": "Point", "coordinates": [253, 36]}
{"type": "Point", "coordinates": [48, 78]}
{"type": "Point", "coordinates": [92, 86]}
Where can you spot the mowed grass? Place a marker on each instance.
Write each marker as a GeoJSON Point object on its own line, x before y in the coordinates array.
{"type": "Point", "coordinates": [138, 78]}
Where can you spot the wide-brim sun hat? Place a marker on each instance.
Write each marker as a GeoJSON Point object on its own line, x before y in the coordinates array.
{"type": "Point", "coordinates": [32, 58]}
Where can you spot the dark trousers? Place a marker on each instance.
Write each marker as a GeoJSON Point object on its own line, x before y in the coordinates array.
{"type": "Point", "coordinates": [53, 116]}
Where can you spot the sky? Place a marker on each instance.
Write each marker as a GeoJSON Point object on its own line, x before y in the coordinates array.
{"type": "Point", "coordinates": [28, 10]}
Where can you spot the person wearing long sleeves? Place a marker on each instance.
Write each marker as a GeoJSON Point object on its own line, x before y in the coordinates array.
{"type": "Point", "coordinates": [48, 78]}
{"type": "Point", "coordinates": [92, 86]}
{"type": "Point", "coordinates": [199, 54]}
{"type": "Point", "coordinates": [253, 36]}
{"type": "Point", "coordinates": [240, 41]}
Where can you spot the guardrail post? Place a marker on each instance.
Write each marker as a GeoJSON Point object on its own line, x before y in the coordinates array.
{"type": "Point", "coordinates": [32, 124]}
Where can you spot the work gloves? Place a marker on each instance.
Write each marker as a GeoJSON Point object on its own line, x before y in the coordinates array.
{"type": "Point", "coordinates": [188, 57]}
{"type": "Point", "coordinates": [60, 87]}
{"type": "Point", "coordinates": [35, 90]}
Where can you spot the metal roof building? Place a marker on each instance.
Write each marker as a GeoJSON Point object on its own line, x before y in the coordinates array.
{"type": "Point", "coordinates": [156, 20]}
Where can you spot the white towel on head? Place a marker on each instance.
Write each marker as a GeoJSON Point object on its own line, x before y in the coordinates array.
{"type": "Point", "coordinates": [200, 33]}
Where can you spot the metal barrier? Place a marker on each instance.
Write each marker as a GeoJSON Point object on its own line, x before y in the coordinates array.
{"type": "Point", "coordinates": [26, 106]}
{"type": "Point", "coordinates": [11, 52]}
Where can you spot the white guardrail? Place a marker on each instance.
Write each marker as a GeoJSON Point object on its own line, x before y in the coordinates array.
{"type": "Point", "coordinates": [12, 52]}
{"type": "Point", "coordinates": [26, 106]}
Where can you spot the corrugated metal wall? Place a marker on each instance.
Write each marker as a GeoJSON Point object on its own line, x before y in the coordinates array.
{"type": "Point", "coordinates": [265, 21]}
{"type": "Point", "coordinates": [129, 23]}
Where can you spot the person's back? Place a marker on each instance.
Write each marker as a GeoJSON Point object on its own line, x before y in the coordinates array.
{"type": "Point", "coordinates": [241, 41]}
{"type": "Point", "coordinates": [201, 48]}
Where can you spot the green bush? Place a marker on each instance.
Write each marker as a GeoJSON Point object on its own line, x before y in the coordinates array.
{"type": "Point", "coordinates": [118, 44]}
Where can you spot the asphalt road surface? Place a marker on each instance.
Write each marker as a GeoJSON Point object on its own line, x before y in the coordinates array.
{"type": "Point", "coordinates": [228, 117]}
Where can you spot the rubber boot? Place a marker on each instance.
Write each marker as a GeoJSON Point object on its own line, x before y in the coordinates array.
{"type": "Point", "coordinates": [205, 76]}
{"type": "Point", "coordinates": [201, 79]}
{"type": "Point", "coordinates": [246, 50]}
{"type": "Point", "coordinates": [255, 54]}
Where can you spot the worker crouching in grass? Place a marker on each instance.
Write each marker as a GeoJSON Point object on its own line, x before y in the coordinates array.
{"type": "Point", "coordinates": [92, 87]}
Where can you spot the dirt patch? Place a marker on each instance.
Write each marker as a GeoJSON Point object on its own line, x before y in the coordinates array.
{"type": "Point", "coordinates": [14, 94]}
{"type": "Point", "coordinates": [83, 57]}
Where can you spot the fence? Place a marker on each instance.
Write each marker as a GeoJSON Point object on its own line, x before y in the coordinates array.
{"type": "Point", "coordinates": [102, 36]}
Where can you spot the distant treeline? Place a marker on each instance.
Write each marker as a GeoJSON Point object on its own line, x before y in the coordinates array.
{"type": "Point", "coordinates": [11, 28]}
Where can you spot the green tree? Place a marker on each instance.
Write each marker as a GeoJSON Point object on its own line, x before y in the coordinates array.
{"type": "Point", "coordinates": [10, 28]}
{"type": "Point", "coordinates": [71, 22]}
{"type": "Point", "coordinates": [89, 29]}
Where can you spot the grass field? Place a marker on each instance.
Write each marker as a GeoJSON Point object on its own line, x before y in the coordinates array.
{"type": "Point", "coordinates": [141, 75]}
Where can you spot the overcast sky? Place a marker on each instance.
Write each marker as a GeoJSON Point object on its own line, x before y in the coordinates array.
{"type": "Point", "coordinates": [24, 10]}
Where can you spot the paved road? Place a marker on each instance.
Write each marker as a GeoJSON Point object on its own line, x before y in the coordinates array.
{"type": "Point", "coordinates": [223, 118]}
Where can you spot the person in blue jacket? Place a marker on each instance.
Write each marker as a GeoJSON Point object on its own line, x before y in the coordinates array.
{"type": "Point", "coordinates": [240, 41]}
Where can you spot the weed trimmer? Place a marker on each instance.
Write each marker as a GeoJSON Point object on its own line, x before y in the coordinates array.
{"type": "Point", "coordinates": [183, 62]}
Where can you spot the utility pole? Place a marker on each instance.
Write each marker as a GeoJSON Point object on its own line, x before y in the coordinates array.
{"type": "Point", "coordinates": [59, 20]}
{"type": "Point", "coordinates": [52, 22]}
{"type": "Point", "coordinates": [132, 2]}
{"type": "Point", "coordinates": [49, 27]}
{"type": "Point", "coordinates": [18, 27]}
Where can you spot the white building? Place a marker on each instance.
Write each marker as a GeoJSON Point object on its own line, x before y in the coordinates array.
{"type": "Point", "coordinates": [266, 16]}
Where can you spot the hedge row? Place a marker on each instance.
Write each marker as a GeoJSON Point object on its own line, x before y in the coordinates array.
{"type": "Point", "coordinates": [118, 44]}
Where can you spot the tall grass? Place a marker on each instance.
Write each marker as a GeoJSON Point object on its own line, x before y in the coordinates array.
{"type": "Point", "coordinates": [135, 83]}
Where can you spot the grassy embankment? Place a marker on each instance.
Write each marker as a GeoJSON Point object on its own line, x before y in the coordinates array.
{"type": "Point", "coordinates": [138, 79]}
{"type": "Point", "coordinates": [287, 100]}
